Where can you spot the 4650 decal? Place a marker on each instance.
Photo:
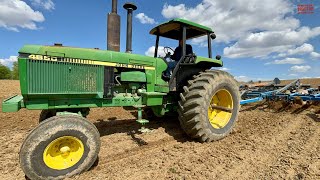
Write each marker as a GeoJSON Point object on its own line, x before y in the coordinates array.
{"type": "Point", "coordinates": [86, 61]}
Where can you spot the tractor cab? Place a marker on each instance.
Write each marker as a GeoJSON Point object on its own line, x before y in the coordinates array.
{"type": "Point", "coordinates": [188, 64]}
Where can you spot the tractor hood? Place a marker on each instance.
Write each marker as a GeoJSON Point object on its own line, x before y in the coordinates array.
{"type": "Point", "coordinates": [91, 56]}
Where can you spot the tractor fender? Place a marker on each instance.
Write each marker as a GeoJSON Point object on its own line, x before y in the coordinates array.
{"type": "Point", "coordinates": [208, 62]}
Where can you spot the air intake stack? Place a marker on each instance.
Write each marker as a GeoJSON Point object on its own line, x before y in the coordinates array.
{"type": "Point", "coordinates": [130, 7]}
{"type": "Point", "coordinates": [113, 33]}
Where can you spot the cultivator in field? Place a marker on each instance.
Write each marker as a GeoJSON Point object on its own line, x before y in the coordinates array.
{"type": "Point", "coordinates": [294, 92]}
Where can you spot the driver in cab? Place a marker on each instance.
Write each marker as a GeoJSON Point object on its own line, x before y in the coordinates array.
{"type": "Point", "coordinates": [176, 57]}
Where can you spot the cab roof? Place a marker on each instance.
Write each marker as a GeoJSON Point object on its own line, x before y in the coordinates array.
{"type": "Point", "coordinates": [173, 29]}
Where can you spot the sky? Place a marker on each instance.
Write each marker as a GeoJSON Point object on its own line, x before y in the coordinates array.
{"type": "Point", "coordinates": [257, 39]}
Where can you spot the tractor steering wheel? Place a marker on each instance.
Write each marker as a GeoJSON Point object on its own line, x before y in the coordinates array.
{"type": "Point", "coordinates": [166, 50]}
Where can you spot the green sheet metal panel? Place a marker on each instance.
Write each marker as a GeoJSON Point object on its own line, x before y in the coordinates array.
{"type": "Point", "coordinates": [122, 99]}
{"type": "Point", "coordinates": [214, 62]}
{"type": "Point", "coordinates": [152, 66]}
{"type": "Point", "coordinates": [111, 57]}
{"type": "Point", "coordinates": [161, 67]}
{"type": "Point", "coordinates": [12, 104]}
{"type": "Point", "coordinates": [172, 29]}
{"type": "Point", "coordinates": [48, 77]}
{"type": "Point", "coordinates": [133, 76]}
{"type": "Point", "coordinates": [23, 75]}
{"type": "Point", "coordinates": [152, 98]}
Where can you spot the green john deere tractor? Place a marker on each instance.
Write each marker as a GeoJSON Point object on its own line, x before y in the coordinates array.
{"type": "Point", "coordinates": [65, 82]}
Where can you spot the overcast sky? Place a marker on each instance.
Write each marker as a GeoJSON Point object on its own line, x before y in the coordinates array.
{"type": "Point", "coordinates": [257, 39]}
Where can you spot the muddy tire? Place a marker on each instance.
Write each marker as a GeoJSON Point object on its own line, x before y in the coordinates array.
{"type": "Point", "coordinates": [149, 114]}
{"type": "Point", "coordinates": [48, 113]}
{"type": "Point", "coordinates": [60, 147]}
{"type": "Point", "coordinates": [209, 106]}
{"type": "Point", "coordinates": [45, 114]}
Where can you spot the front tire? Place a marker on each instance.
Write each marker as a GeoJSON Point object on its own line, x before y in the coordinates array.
{"type": "Point", "coordinates": [45, 114]}
{"type": "Point", "coordinates": [60, 147]}
{"type": "Point", "coordinates": [149, 114]}
{"type": "Point", "coordinates": [209, 106]}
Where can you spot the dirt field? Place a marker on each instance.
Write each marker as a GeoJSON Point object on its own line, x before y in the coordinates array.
{"type": "Point", "coordinates": [263, 145]}
{"type": "Point", "coordinates": [314, 82]}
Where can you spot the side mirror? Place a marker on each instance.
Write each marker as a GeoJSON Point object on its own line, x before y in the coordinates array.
{"type": "Point", "coordinates": [213, 36]}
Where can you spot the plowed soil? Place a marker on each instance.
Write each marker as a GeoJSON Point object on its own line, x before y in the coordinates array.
{"type": "Point", "coordinates": [314, 82]}
{"type": "Point", "coordinates": [263, 145]}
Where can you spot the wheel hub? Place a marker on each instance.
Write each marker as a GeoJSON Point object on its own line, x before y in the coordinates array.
{"type": "Point", "coordinates": [220, 109]}
{"type": "Point", "coordinates": [63, 152]}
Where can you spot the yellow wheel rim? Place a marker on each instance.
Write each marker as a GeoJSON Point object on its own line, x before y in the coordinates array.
{"type": "Point", "coordinates": [63, 152]}
{"type": "Point", "coordinates": [220, 109]}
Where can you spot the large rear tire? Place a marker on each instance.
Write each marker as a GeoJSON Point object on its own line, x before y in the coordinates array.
{"type": "Point", "coordinates": [209, 106]}
{"type": "Point", "coordinates": [60, 147]}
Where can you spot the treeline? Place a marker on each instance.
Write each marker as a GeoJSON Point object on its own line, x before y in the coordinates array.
{"type": "Point", "coordinates": [7, 73]}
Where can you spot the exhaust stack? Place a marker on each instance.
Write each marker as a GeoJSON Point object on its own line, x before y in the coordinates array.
{"type": "Point", "coordinates": [130, 7]}
{"type": "Point", "coordinates": [113, 31]}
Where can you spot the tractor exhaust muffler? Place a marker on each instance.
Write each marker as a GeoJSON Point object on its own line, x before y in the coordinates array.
{"type": "Point", "coordinates": [130, 7]}
{"type": "Point", "coordinates": [113, 30]}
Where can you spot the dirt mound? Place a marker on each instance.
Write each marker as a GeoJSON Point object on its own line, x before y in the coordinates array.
{"type": "Point", "coordinates": [263, 145]}
{"type": "Point", "coordinates": [295, 107]}
{"type": "Point", "coordinates": [314, 82]}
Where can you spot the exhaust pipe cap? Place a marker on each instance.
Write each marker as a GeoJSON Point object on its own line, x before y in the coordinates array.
{"type": "Point", "coordinates": [130, 5]}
